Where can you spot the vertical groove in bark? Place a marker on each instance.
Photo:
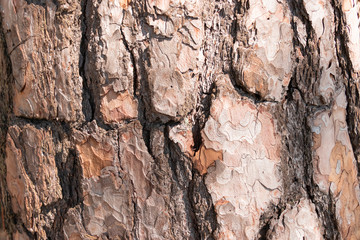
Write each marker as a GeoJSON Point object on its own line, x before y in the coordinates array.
{"type": "Point", "coordinates": [142, 94]}
{"type": "Point", "coordinates": [302, 101]}
{"type": "Point", "coordinates": [299, 169]}
{"type": "Point", "coordinates": [272, 214]}
{"type": "Point", "coordinates": [88, 104]}
{"type": "Point", "coordinates": [202, 113]}
{"type": "Point", "coordinates": [350, 79]}
{"type": "Point", "coordinates": [325, 206]}
{"type": "Point", "coordinates": [69, 172]}
{"type": "Point", "coordinates": [203, 208]}
{"type": "Point", "coordinates": [7, 219]}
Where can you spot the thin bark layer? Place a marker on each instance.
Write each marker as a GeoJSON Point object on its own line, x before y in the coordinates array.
{"type": "Point", "coordinates": [174, 119]}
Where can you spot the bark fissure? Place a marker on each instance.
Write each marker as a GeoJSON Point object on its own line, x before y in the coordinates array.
{"type": "Point", "coordinates": [205, 215]}
{"type": "Point", "coordinates": [178, 168]}
{"type": "Point", "coordinates": [350, 80]}
{"type": "Point", "coordinates": [272, 214]}
{"type": "Point", "coordinates": [301, 106]}
{"type": "Point", "coordinates": [325, 207]}
{"type": "Point", "coordinates": [8, 218]}
{"type": "Point", "coordinates": [202, 114]}
{"type": "Point", "coordinates": [88, 102]}
{"type": "Point", "coordinates": [21, 43]}
{"type": "Point", "coordinates": [70, 180]}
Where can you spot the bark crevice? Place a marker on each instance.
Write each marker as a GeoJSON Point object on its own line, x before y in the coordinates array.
{"type": "Point", "coordinates": [8, 219]}
{"type": "Point", "coordinates": [301, 104]}
{"type": "Point", "coordinates": [350, 81]}
{"type": "Point", "coordinates": [88, 102]}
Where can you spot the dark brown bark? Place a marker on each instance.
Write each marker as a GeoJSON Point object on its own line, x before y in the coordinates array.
{"type": "Point", "coordinates": [165, 119]}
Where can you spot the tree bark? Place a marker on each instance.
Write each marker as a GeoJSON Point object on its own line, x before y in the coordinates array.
{"type": "Point", "coordinates": [179, 119]}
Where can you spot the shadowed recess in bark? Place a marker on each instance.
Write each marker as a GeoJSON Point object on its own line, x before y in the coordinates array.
{"type": "Point", "coordinates": [88, 104]}
{"type": "Point", "coordinates": [351, 80]}
{"type": "Point", "coordinates": [303, 99]}
{"type": "Point", "coordinates": [7, 218]}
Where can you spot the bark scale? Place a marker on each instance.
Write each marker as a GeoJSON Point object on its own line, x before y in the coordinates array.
{"type": "Point", "coordinates": [179, 119]}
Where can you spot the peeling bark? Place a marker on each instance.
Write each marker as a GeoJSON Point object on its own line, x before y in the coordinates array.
{"type": "Point", "coordinates": [169, 119]}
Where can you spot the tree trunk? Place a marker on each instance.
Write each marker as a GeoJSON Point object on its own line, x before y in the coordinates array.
{"type": "Point", "coordinates": [179, 119]}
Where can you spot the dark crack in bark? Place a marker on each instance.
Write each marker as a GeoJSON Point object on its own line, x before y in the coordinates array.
{"type": "Point", "coordinates": [88, 102]}
{"type": "Point", "coordinates": [350, 80]}
{"type": "Point", "coordinates": [302, 100]}
{"type": "Point", "coordinates": [8, 220]}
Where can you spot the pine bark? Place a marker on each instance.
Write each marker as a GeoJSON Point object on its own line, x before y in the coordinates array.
{"type": "Point", "coordinates": [179, 119]}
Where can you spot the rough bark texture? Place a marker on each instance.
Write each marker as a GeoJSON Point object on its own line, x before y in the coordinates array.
{"type": "Point", "coordinates": [179, 119]}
